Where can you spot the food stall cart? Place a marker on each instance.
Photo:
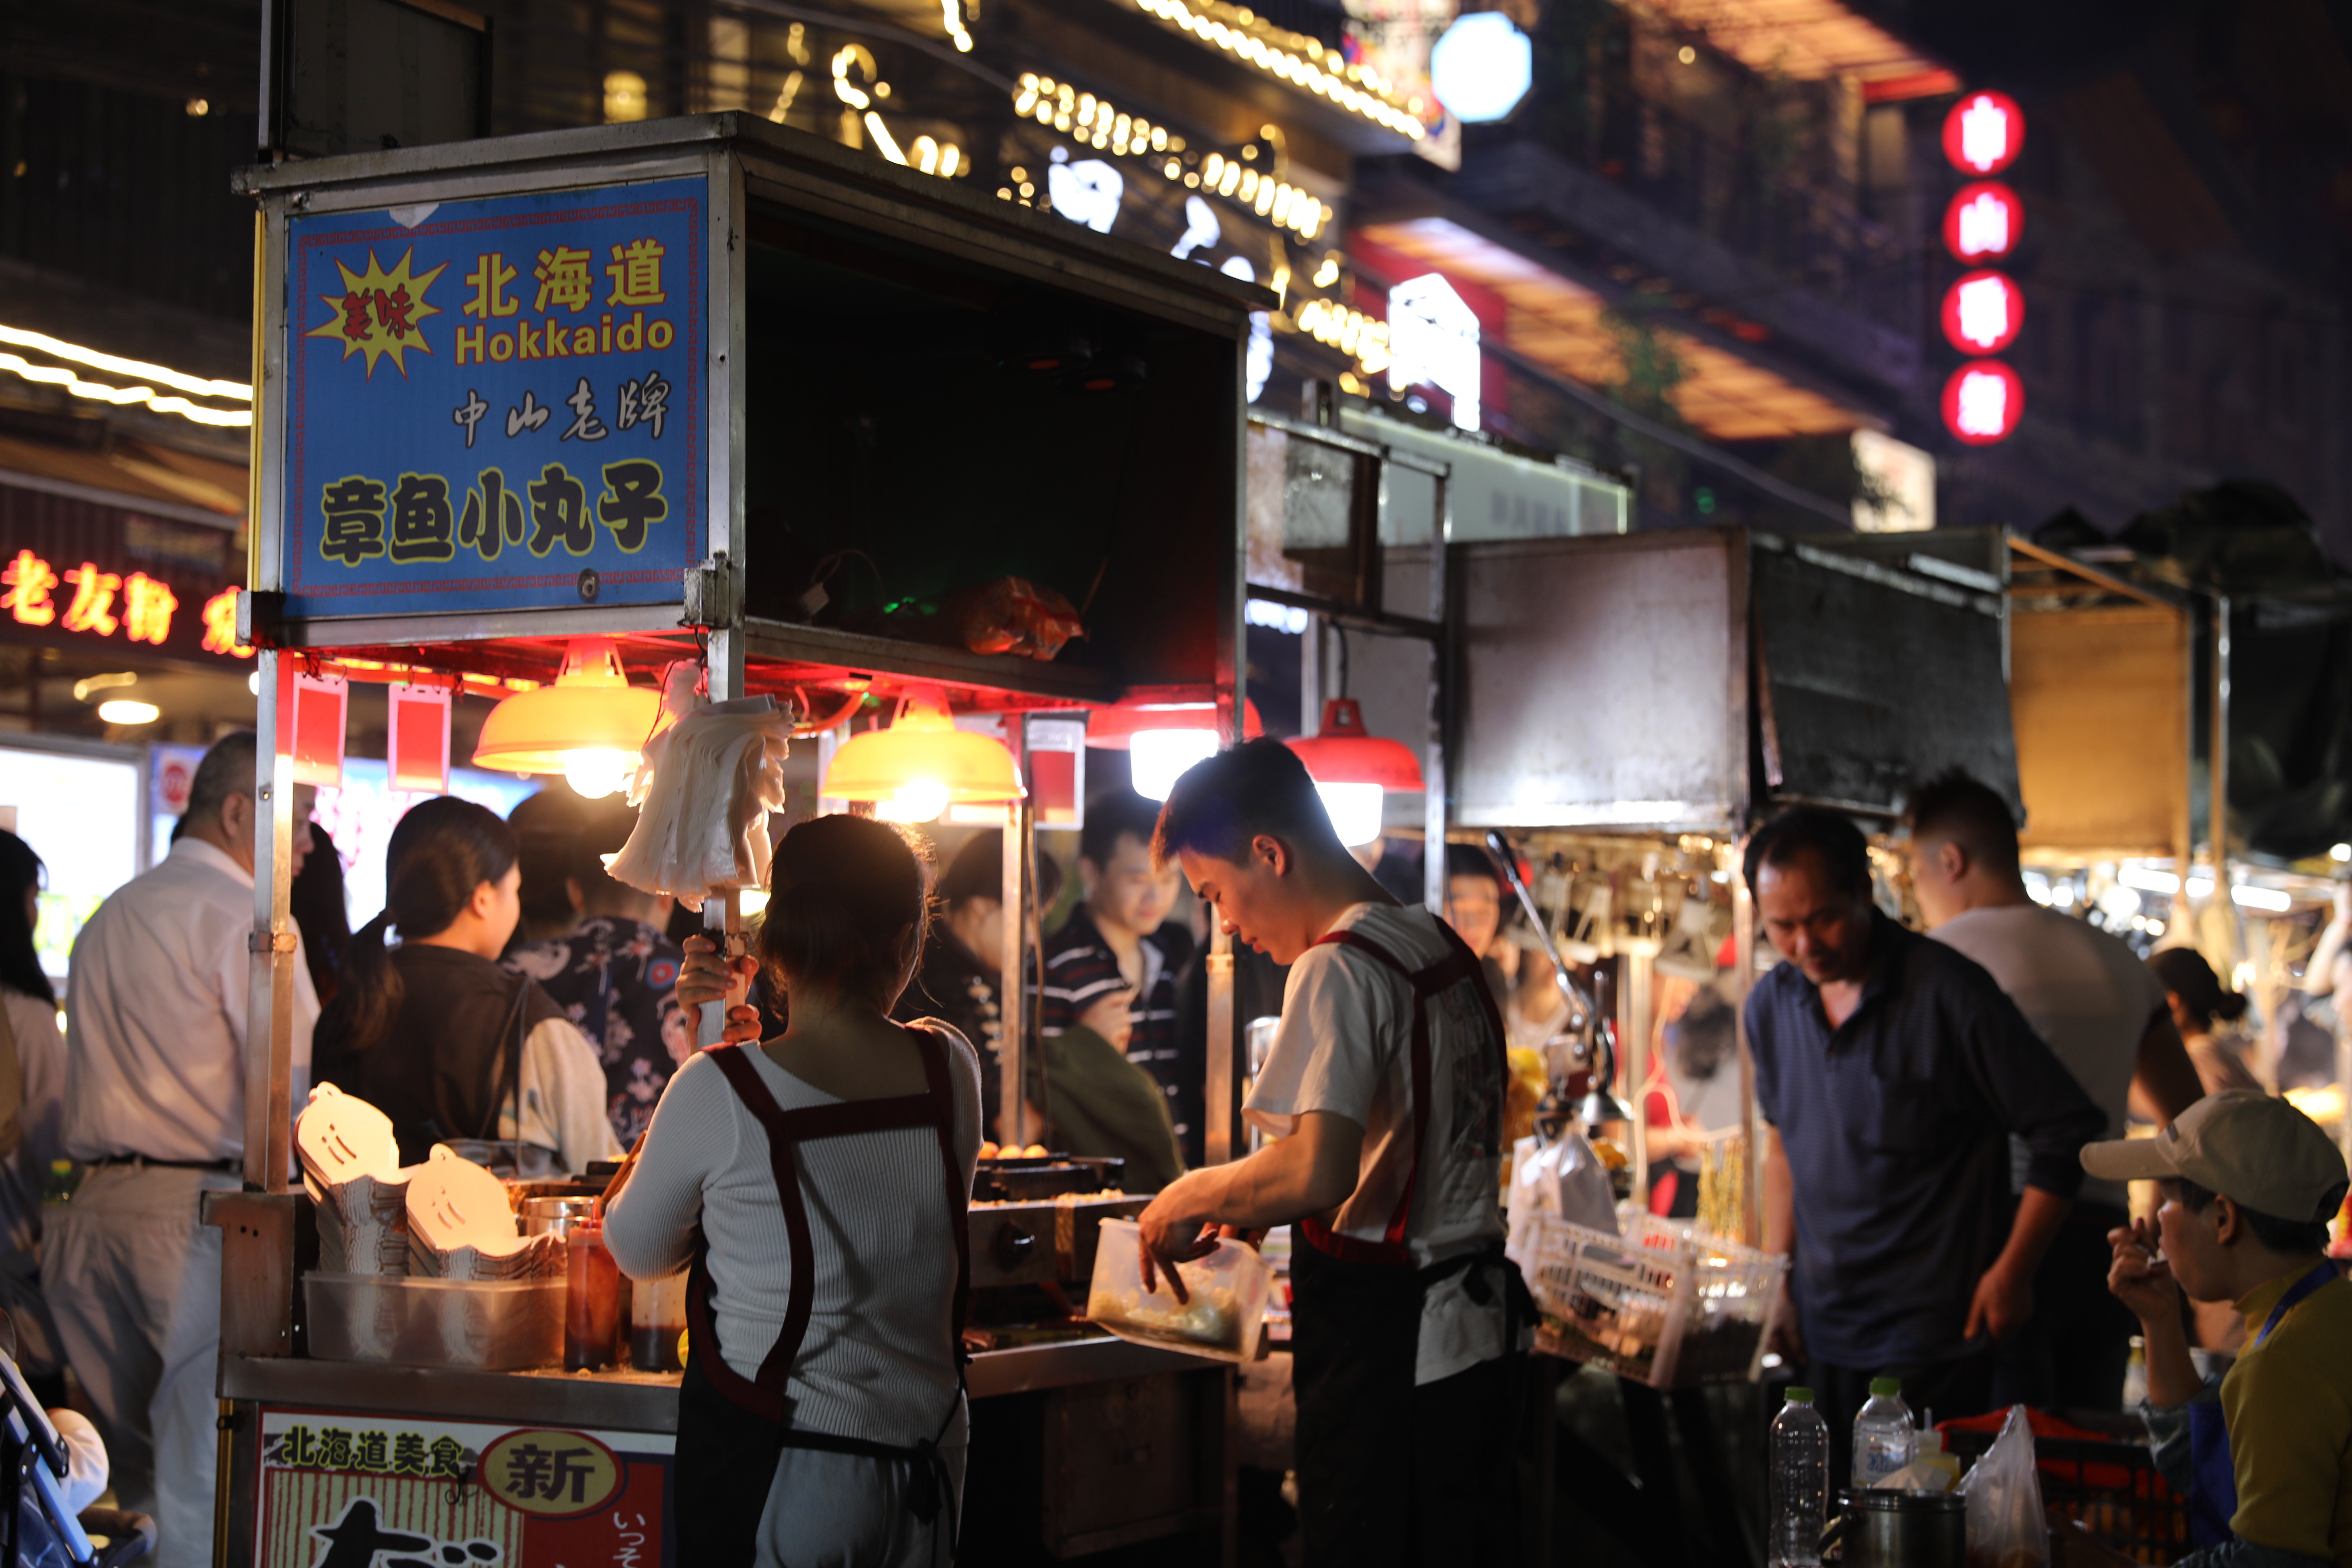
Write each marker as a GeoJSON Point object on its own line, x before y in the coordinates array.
{"type": "Point", "coordinates": [726, 394]}
{"type": "Point", "coordinates": [1631, 706]}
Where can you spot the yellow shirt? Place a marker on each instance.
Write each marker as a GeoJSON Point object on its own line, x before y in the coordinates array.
{"type": "Point", "coordinates": [2288, 1402]}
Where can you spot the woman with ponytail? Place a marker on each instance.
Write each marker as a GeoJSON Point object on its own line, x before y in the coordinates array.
{"type": "Point", "coordinates": [816, 1182]}
{"type": "Point", "coordinates": [431, 1031]}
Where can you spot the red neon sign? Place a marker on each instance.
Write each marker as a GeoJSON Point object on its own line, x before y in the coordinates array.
{"type": "Point", "coordinates": [1984, 132]}
{"type": "Point", "coordinates": [1983, 222]}
{"type": "Point", "coordinates": [1982, 311]}
{"type": "Point", "coordinates": [1983, 402]}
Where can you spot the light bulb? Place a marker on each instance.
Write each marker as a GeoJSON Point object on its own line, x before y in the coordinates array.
{"type": "Point", "coordinates": [917, 800]}
{"type": "Point", "coordinates": [126, 711]}
{"type": "Point", "coordinates": [1355, 810]}
{"type": "Point", "coordinates": [253, 683]}
{"type": "Point", "coordinates": [1157, 758]}
{"type": "Point", "coordinates": [593, 772]}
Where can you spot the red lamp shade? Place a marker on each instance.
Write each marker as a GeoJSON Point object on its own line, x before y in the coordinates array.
{"type": "Point", "coordinates": [1115, 727]}
{"type": "Point", "coordinates": [1344, 751]}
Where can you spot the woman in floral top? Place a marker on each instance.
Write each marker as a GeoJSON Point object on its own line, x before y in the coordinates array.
{"type": "Point", "coordinates": [615, 975]}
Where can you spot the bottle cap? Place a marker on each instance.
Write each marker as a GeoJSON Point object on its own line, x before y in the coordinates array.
{"type": "Point", "coordinates": [1801, 1395]}
{"type": "Point", "coordinates": [1888, 1388]}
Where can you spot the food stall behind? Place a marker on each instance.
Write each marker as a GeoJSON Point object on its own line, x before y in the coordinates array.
{"type": "Point", "coordinates": [1628, 709]}
{"type": "Point", "coordinates": [745, 423]}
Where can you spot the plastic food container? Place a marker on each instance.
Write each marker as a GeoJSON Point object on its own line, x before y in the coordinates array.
{"type": "Point", "coordinates": [484, 1326]}
{"type": "Point", "coordinates": [657, 1322]}
{"type": "Point", "coordinates": [1225, 1318]}
{"type": "Point", "coordinates": [591, 1314]}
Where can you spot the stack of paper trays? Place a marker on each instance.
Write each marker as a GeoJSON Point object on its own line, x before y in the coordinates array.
{"type": "Point", "coordinates": [351, 1163]}
{"type": "Point", "coordinates": [460, 1226]}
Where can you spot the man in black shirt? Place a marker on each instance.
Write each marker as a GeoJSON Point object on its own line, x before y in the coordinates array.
{"type": "Point", "coordinates": [1892, 1070]}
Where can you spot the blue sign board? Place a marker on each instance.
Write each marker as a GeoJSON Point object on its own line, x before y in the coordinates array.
{"type": "Point", "coordinates": [496, 404]}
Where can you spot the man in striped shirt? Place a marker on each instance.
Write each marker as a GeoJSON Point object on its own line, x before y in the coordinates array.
{"type": "Point", "coordinates": [1112, 966]}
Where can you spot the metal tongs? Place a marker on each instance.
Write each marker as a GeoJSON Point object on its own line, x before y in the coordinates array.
{"type": "Point", "coordinates": [1593, 1046]}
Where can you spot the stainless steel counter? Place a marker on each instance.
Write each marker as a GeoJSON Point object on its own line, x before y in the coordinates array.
{"type": "Point", "coordinates": [629, 1401]}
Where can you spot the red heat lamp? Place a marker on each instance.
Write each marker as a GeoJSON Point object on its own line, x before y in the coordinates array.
{"type": "Point", "coordinates": [1353, 768]}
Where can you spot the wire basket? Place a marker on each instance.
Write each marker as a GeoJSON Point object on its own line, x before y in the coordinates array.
{"type": "Point", "coordinates": [1665, 1304]}
{"type": "Point", "coordinates": [2112, 1488]}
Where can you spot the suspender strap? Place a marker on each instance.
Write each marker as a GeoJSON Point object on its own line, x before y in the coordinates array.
{"type": "Point", "coordinates": [934, 1108]}
{"type": "Point", "coordinates": [1459, 966]}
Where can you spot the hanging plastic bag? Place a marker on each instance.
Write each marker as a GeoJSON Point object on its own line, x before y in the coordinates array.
{"type": "Point", "coordinates": [1011, 614]}
{"type": "Point", "coordinates": [1564, 1179]}
{"type": "Point", "coordinates": [704, 790]}
{"type": "Point", "coordinates": [2006, 1525]}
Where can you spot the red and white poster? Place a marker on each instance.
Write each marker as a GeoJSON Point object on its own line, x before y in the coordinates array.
{"type": "Point", "coordinates": [339, 1490]}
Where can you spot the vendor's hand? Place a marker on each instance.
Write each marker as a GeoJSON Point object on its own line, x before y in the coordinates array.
{"type": "Point", "coordinates": [1112, 1017]}
{"type": "Point", "coordinates": [2138, 1278]}
{"type": "Point", "coordinates": [1170, 1235]}
{"type": "Point", "coordinates": [1788, 1340]}
{"type": "Point", "coordinates": [706, 976]}
{"type": "Point", "coordinates": [2344, 903]}
{"type": "Point", "coordinates": [2003, 1302]}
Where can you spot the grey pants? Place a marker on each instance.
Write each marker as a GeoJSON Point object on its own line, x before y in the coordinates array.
{"type": "Point", "coordinates": [845, 1511]}
{"type": "Point", "coordinates": [134, 1282]}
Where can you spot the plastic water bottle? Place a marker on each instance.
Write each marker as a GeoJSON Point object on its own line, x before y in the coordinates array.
{"type": "Point", "coordinates": [1800, 1478]}
{"type": "Point", "coordinates": [1882, 1434]}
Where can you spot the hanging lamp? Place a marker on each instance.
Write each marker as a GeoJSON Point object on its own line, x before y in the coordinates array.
{"type": "Point", "coordinates": [922, 764]}
{"type": "Point", "coordinates": [1352, 768]}
{"type": "Point", "coordinates": [589, 726]}
{"type": "Point", "coordinates": [1161, 740]}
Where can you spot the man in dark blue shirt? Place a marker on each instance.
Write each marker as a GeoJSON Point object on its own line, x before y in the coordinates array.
{"type": "Point", "coordinates": [1892, 1070]}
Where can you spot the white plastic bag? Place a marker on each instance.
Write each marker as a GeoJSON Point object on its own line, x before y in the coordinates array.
{"type": "Point", "coordinates": [704, 790]}
{"type": "Point", "coordinates": [1564, 1179]}
{"type": "Point", "coordinates": [2006, 1525]}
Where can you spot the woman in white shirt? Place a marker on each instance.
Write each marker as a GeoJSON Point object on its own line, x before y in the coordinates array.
{"type": "Point", "coordinates": [817, 1184]}
{"type": "Point", "coordinates": [434, 1034]}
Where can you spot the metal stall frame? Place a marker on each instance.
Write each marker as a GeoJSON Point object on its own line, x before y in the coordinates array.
{"type": "Point", "coordinates": [1435, 628]}
{"type": "Point", "coordinates": [741, 158]}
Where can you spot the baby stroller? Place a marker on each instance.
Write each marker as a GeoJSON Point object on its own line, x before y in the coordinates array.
{"type": "Point", "coordinates": [36, 1530]}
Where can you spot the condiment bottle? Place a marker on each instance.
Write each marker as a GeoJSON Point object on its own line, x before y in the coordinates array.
{"type": "Point", "coordinates": [592, 1302]}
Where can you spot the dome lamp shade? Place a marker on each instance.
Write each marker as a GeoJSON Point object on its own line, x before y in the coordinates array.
{"type": "Point", "coordinates": [1115, 727]}
{"type": "Point", "coordinates": [922, 764]}
{"type": "Point", "coordinates": [1161, 740]}
{"type": "Point", "coordinates": [589, 726]}
{"type": "Point", "coordinates": [1353, 768]}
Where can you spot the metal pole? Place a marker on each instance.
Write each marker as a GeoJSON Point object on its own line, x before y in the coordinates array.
{"type": "Point", "coordinates": [1634, 956]}
{"type": "Point", "coordinates": [1217, 1137]}
{"type": "Point", "coordinates": [269, 1001]}
{"type": "Point", "coordinates": [722, 915]}
{"type": "Point", "coordinates": [1011, 981]}
{"type": "Point", "coordinates": [1441, 672]}
{"type": "Point", "coordinates": [1751, 1125]}
{"type": "Point", "coordinates": [2217, 772]}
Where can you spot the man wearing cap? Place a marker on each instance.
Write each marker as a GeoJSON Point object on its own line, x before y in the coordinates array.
{"type": "Point", "coordinates": [2249, 1186]}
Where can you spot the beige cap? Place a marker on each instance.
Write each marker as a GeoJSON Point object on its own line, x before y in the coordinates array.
{"type": "Point", "coordinates": [2257, 1151]}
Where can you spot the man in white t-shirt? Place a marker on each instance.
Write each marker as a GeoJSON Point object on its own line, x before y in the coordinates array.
{"type": "Point", "coordinates": [2104, 1016]}
{"type": "Point", "coordinates": [1384, 1093]}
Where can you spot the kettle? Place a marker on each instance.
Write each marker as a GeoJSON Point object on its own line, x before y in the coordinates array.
{"type": "Point", "coordinates": [1902, 1530]}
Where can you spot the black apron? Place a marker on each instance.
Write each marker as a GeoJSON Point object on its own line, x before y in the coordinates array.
{"type": "Point", "coordinates": [1366, 1495]}
{"type": "Point", "coordinates": [732, 1431]}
